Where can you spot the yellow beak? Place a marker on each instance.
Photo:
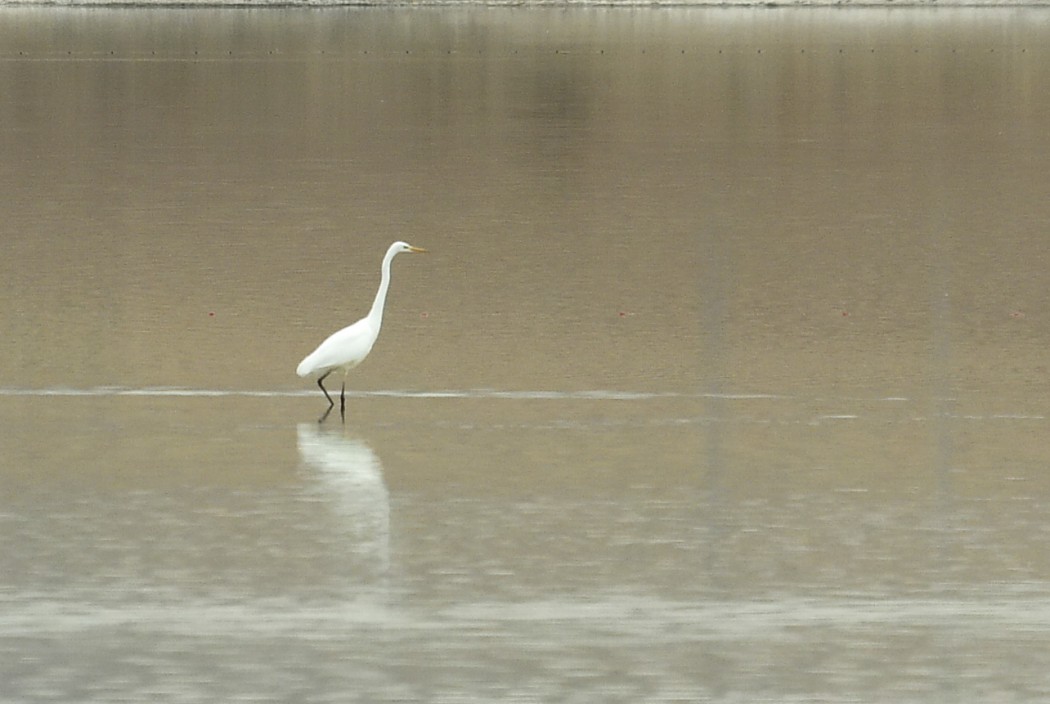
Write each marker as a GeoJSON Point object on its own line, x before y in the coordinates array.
{"type": "Point", "coordinates": [416, 250]}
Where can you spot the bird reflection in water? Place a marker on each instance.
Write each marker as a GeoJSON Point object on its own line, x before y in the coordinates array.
{"type": "Point", "coordinates": [349, 478]}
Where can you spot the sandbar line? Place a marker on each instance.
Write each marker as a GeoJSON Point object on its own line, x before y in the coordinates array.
{"type": "Point", "coordinates": [179, 392]}
{"type": "Point", "coordinates": [523, 395]}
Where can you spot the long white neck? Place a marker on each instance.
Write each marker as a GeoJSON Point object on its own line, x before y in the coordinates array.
{"type": "Point", "coordinates": [375, 316]}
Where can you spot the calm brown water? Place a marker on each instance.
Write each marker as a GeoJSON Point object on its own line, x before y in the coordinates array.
{"type": "Point", "coordinates": [724, 380]}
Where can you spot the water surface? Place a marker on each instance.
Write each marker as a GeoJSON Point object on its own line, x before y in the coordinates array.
{"type": "Point", "coordinates": [723, 380]}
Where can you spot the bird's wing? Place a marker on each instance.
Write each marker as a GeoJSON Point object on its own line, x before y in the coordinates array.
{"type": "Point", "coordinates": [344, 349]}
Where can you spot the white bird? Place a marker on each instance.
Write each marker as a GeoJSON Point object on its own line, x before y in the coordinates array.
{"type": "Point", "coordinates": [346, 348]}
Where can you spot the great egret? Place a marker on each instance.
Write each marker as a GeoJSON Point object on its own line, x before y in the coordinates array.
{"type": "Point", "coordinates": [345, 349]}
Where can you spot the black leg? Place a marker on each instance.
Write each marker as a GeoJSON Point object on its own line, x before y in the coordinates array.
{"type": "Point", "coordinates": [323, 377]}
{"type": "Point", "coordinates": [342, 402]}
{"type": "Point", "coordinates": [331, 403]}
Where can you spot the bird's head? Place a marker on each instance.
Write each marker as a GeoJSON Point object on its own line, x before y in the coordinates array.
{"type": "Point", "coordinates": [406, 247]}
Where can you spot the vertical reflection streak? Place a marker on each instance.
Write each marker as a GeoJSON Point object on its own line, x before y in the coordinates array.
{"type": "Point", "coordinates": [348, 479]}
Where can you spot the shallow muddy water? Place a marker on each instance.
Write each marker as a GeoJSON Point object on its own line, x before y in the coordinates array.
{"type": "Point", "coordinates": [723, 380]}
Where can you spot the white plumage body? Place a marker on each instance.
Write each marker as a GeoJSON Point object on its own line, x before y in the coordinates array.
{"type": "Point", "coordinates": [342, 350]}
